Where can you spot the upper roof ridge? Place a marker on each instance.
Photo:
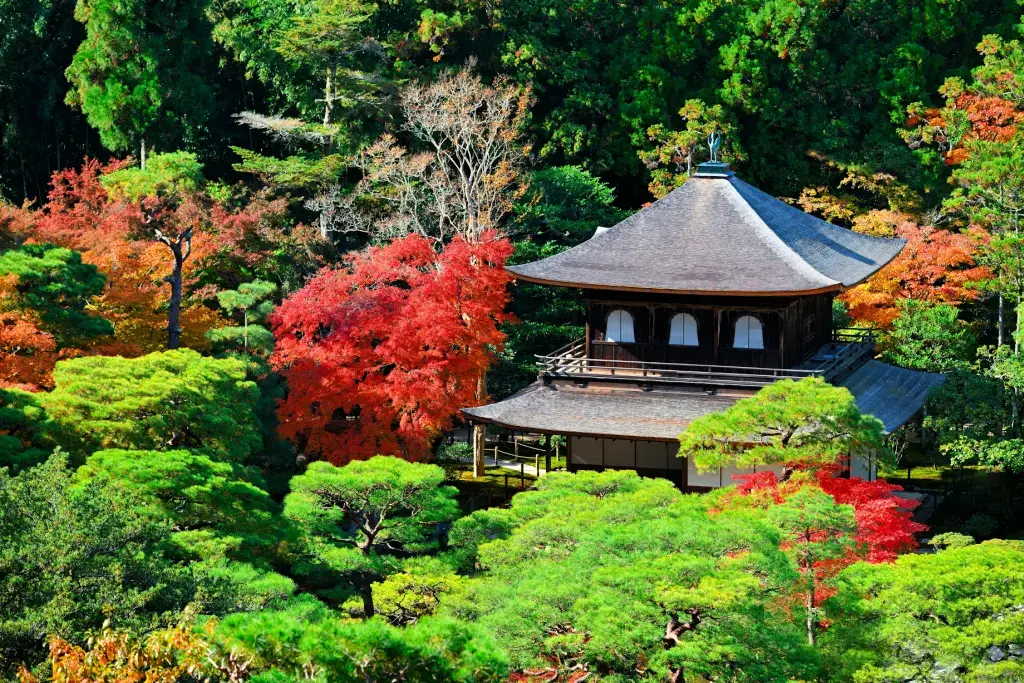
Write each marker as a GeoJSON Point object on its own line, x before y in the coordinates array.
{"type": "Point", "coordinates": [716, 234]}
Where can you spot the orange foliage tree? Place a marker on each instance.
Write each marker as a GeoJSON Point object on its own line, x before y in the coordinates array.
{"type": "Point", "coordinates": [989, 108]}
{"type": "Point", "coordinates": [162, 656]}
{"type": "Point", "coordinates": [937, 266]}
{"type": "Point", "coordinates": [81, 215]}
{"type": "Point", "coordinates": [966, 116]}
{"type": "Point", "coordinates": [117, 235]}
{"type": "Point", "coordinates": [380, 353]}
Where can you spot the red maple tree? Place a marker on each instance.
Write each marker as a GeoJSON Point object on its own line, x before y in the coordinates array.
{"type": "Point", "coordinates": [885, 527]}
{"type": "Point", "coordinates": [884, 523]}
{"type": "Point", "coordinates": [380, 353]}
{"type": "Point", "coordinates": [937, 266]}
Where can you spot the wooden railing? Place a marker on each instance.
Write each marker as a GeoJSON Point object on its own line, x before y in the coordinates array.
{"type": "Point", "coordinates": [852, 335]}
{"type": "Point", "coordinates": [853, 346]}
{"type": "Point", "coordinates": [580, 367]}
{"type": "Point", "coordinates": [856, 345]}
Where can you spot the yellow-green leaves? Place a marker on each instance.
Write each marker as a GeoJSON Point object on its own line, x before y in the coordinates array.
{"type": "Point", "coordinates": [806, 422]}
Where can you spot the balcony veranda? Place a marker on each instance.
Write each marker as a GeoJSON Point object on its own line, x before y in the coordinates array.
{"type": "Point", "coordinates": [849, 349]}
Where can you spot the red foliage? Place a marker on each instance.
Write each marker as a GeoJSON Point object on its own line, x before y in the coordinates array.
{"type": "Point", "coordinates": [78, 213]}
{"type": "Point", "coordinates": [884, 524]}
{"type": "Point", "coordinates": [380, 354]}
{"type": "Point", "coordinates": [935, 266]}
{"type": "Point", "coordinates": [113, 236]}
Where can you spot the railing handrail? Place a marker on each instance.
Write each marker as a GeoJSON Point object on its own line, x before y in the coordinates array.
{"type": "Point", "coordinates": [853, 333]}
{"type": "Point", "coordinates": [572, 360]}
{"type": "Point", "coordinates": [574, 345]}
{"type": "Point", "coordinates": [680, 367]}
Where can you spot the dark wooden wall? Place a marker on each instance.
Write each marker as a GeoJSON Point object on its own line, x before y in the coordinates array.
{"type": "Point", "coordinates": [793, 328]}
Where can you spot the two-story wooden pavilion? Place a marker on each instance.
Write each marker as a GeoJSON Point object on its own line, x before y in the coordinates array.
{"type": "Point", "coordinates": [693, 302]}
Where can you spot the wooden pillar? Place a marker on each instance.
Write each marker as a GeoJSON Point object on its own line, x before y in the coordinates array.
{"type": "Point", "coordinates": [651, 337]}
{"type": "Point", "coordinates": [547, 453]}
{"type": "Point", "coordinates": [718, 328]}
{"type": "Point", "coordinates": [479, 431]}
{"type": "Point", "coordinates": [586, 341]}
{"type": "Point", "coordinates": [782, 338]}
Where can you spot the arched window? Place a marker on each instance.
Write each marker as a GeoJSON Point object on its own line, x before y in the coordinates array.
{"type": "Point", "coordinates": [620, 327]}
{"type": "Point", "coordinates": [683, 331]}
{"type": "Point", "coordinates": [749, 334]}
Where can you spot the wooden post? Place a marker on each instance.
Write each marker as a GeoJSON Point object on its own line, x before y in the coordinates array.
{"type": "Point", "coordinates": [547, 453]}
{"type": "Point", "coordinates": [522, 476]}
{"type": "Point", "coordinates": [515, 446]}
{"type": "Point", "coordinates": [479, 432]}
{"type": "Point", "coordinates": [536, 463]}
{"type": "Point", "coordinates": [716, 333]}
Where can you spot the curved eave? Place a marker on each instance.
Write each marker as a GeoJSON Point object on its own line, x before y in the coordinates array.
{"type": "Point", "coordinates": [903, 243]}
{"type": "Point", "coordinates": [837, 287]}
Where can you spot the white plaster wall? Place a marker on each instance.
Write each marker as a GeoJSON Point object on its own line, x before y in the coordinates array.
{"type": "Point", "coordinates": [729, 472]}
{"type": "Point", "coordinates": [585, 450]}
{"type": "Point", "coordinates": [707, 479]}
{"type": "Point", "coordinates": [863, 467]}
{"type": "Point", "coordinates": [777, 469]}
{"type": "Point", "coordinates": [619, 453]}
{"type": "Point", "coordinates": [655, 454]}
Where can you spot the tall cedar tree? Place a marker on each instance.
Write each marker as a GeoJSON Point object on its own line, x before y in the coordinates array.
{"type": "Point", "coordinates": [139, 75]}
{"type": "Point", "coordinates": [327, 40]}
{"type": "Point", "coordinates": [381, 353]}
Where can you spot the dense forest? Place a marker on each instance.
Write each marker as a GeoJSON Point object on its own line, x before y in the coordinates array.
{"type": "Point", "coordinates": [252, 265]}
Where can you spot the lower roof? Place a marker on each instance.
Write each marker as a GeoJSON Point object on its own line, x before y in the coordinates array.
{"type": "Point", "coordinates": [891, 394]}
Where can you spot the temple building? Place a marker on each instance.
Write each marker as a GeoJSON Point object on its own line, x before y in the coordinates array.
{"type": "Point", "coordinates": [694, 302]}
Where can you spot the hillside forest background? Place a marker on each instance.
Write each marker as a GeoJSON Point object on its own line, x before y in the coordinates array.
{"type": "Point", "coordinates": [252, 264]}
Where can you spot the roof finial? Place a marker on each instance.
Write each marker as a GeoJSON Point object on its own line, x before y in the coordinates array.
{"type": "Point", "coordinates": [714, 142]}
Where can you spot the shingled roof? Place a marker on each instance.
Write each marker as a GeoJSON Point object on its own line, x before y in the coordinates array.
{"type": "Point", "coordinates": [889, 393]}
{"type": "Point", "coordinates": [654, 415]}
{"type": "Point", "coordinates": [717, 235]}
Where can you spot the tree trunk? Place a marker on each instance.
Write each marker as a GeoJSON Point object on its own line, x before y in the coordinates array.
{"type": "Point", "coordinates": [142, 154]}
{"type": "Point", "coordinates": [1017, 324]}
{"type": "Point", "coordinates": [329, 94]}
{"type": "Point", "coordinates": [174, 308]}
{"type": "Point", "coordinates": [1002, 324]}
{"type": "Point", "coordinates": [367, 594]}
{"type": "Point", "coordinates": [479, 442]}
{"type": "Point", "coordinates": [479, 430]}
{"type": "Point", "coordinates": [181, 249]}
{"type": "Point", "coordinates": [811, 621]}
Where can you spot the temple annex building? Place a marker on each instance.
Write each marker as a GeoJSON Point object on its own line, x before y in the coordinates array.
{"type": "Point", "coordinates": [697, 300]}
